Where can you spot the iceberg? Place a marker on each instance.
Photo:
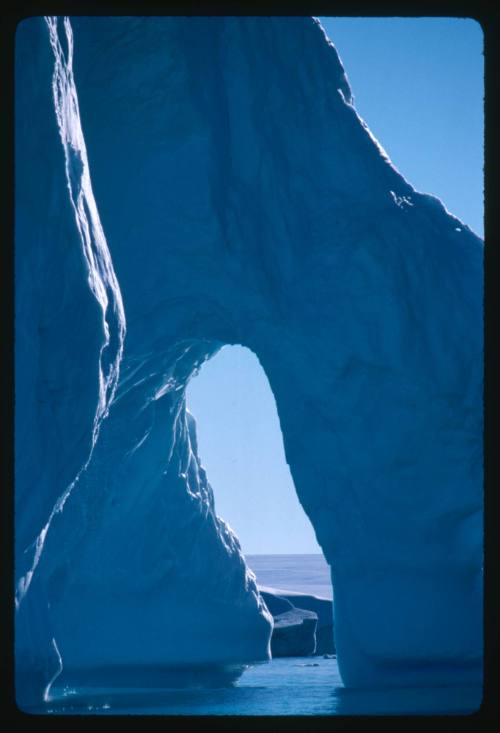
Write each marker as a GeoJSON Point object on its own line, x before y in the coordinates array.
{"type": "Point", "coordinates": [183, 183]}
{"type": "Point", "coordinates": [280, 601]}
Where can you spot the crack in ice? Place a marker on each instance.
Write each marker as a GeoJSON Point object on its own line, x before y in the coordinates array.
{"type": "Point", "coordinates": [46, 692]}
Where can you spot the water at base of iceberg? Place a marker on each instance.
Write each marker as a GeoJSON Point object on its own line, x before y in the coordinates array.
{"type": "Point", "coordinates": [285, 686]}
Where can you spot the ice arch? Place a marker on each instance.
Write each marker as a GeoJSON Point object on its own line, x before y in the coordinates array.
{"type": "Point", "coordinates": [244, 201]}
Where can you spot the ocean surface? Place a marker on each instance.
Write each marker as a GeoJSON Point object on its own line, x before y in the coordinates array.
{"type": "Point", "coordinates": [292, 686]}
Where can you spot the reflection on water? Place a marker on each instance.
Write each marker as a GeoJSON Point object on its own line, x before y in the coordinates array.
{"type": "Point", "coordinates": [150, 677]}
{"type": "Point", "coordinates": [414, 701]}
{"type": "Point", "coordinates": [293, 686]}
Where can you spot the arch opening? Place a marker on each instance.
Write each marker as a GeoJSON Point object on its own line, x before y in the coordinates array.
{"type": "Point", "coordinates": [240, 445]}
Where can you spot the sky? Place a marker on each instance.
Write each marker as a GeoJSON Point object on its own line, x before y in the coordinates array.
{"type": "Point", "coordinates": [418, 84]}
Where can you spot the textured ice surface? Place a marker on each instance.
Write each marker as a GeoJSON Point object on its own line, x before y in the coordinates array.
{"type": "Point", "coordinates": [279, 602]}
{"type": "Point", "coordinates": [294, 633]}
{"type": "Point", "coordinates": [200, 182]}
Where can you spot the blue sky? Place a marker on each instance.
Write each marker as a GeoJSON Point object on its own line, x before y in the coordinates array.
{"type": "Point", "coordinates": [418, 84]}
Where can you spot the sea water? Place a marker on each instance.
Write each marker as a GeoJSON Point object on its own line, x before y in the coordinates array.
{"type": "Point", "coordinates": [293, 686]}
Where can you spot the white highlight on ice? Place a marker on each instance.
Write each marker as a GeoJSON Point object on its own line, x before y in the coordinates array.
{"type": "Point", "coordinates": [101, 275]}
{"type": "Point", "coordinates": [401, 201]}
{"type": "Point", "coordinates": [46, 692]}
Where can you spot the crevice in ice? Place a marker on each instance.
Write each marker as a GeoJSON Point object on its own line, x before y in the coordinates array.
{"type": "Point", "coordinates": [46, 692]}
{"type": "Point", "coordinates": [101, 275]}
